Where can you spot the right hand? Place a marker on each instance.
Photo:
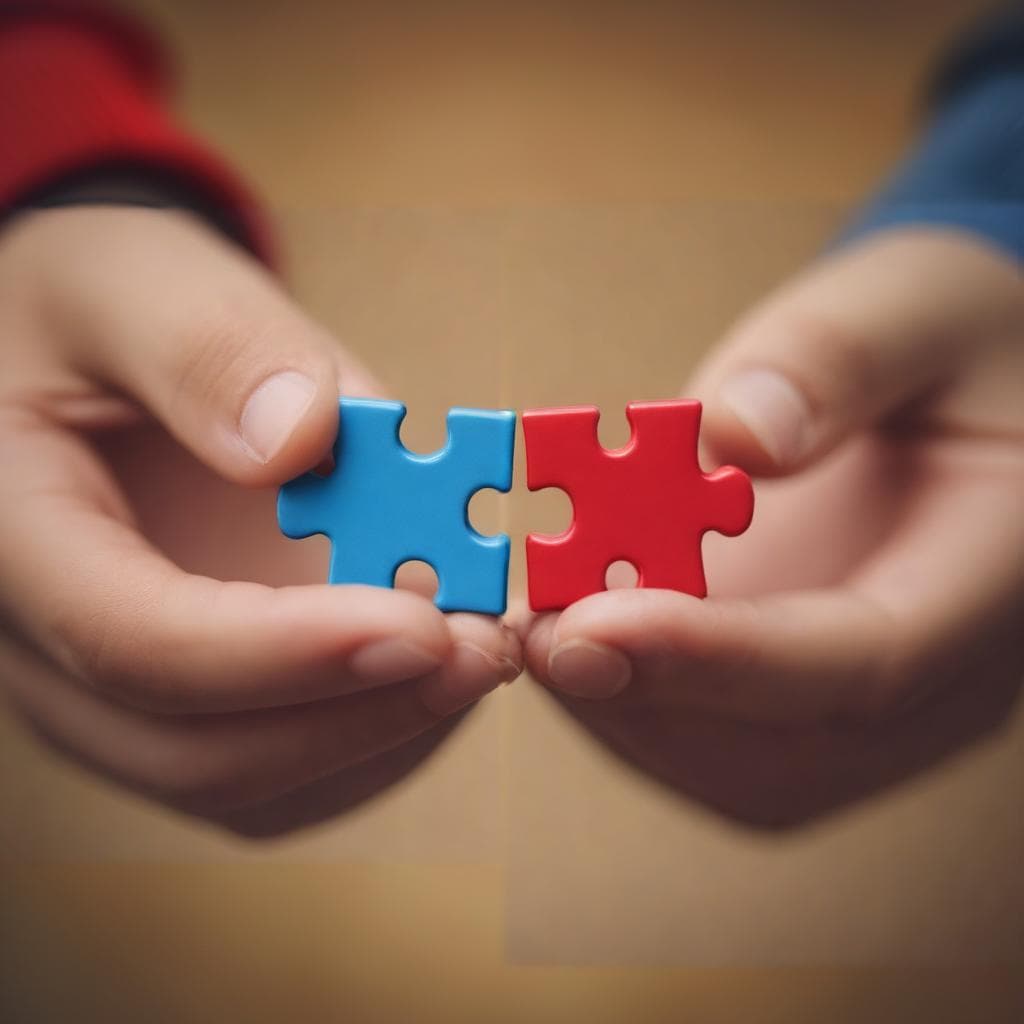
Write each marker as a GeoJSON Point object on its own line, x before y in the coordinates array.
{"type": "Point", "coordinates": [258, 706]}
{"type": "Point", "coordinates": [870, 621]}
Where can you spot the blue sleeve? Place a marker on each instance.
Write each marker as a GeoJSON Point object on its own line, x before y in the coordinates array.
{"type": "Point", "coordinates": [967, 171]}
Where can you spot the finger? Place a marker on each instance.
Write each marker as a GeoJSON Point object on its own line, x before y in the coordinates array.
{"type": "Point", "coordinates": [787, 657]}
{"type": "Point", "coordinates": [97, 598]}
{"type": "Point", "coordinates": [202, 336]}
{"type": "Point", "coordinates": [862, 334]}
{"type": "Point", "coordinates": [484, 653]}
{"type": "Point", "coordinates": [335, 794]}
{"type": "Point", "coordinates": [906, 625]}
{"type": "Point", "coordinates": [209, 764]}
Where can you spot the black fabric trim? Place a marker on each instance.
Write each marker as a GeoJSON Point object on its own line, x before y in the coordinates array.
{"type": "Point", "coordinates": [128, 184]}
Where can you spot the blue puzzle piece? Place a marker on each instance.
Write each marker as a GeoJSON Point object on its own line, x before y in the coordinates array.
{"type": "Point", "coordinates": [384, 505]}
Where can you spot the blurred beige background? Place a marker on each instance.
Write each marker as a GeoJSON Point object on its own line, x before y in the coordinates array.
{"type": "Point", "coordinates": [515, 205]}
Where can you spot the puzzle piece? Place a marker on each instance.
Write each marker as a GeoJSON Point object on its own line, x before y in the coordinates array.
{"type": "Point", "coordinates": [648, 503]}
{"type": "Point", "coordinates": [384, 505]}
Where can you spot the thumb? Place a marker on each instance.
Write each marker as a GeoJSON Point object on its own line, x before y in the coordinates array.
{"type": "Point", "coordinates": [201, 336]}
{"type": "Point", "coordinates": [858, 336]}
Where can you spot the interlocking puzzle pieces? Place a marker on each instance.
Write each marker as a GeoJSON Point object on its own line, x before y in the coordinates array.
{"type": "Point", "coordinates": [384, 505]}
{"type": "Point", "coordinates": [648, 503]}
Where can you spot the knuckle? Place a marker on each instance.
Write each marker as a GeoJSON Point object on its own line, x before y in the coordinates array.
{"type": "Point", "coordinates": [115, 646]}
{"type": "Point", "coordinates": [87, 639]}
{"type": "Point", "coordinates": [212, 356]}
{"type": "Point", "coordinates": [845, 363]}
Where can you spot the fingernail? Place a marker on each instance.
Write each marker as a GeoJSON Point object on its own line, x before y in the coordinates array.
{"type": "Point", "coordinates": [391, 661]}
{"type": "Point", "coordinates": [583, 668]}
{"type": "Point", "coordinates": [273, 412]}
{"type": "Point", "coordinates": [470, 673]}
{"type": "Point", "coordinates": [773, 410]}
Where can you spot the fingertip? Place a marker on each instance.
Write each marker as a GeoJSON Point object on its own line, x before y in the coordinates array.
{"type": "Point", "coordinates": [591, 648]}
{"type": "Point", "coordinates": [726, 441]}
{"type": "Point", "coordinates": [565, 657]}
{"type": "Point", "coordinates": [490, 635]}
{"type": "Point", "coordinates": [588, 669]}
{"type": "Point", "coordinates": [520, 617]}
{"type": "Point", "coordinates": [758, 419]}
{"type": "Point", "coordinates": [599, 644]}
{"type": "Point", "coordinates": [288, 425]}
{"type": "Point", "coordinates": [537, 642]}
{"type": "Point", "coordinates": [484, 654]}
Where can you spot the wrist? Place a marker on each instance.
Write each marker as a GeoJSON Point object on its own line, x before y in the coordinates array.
{"type": "Point", "coordinates": [129, 185]}
{"type": "Point", "coordinates": [967, 172]}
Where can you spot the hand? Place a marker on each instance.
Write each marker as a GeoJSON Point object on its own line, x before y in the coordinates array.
{"type": "Point", "coordinates": [872, 620]}
{"type": "Point", "coordinates": [149, 369]}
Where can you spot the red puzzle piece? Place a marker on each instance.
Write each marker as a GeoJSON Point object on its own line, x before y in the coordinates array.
{"type": "Point", "coordinates": [648, 503]}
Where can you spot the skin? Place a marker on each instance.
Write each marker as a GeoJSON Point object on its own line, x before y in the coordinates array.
{"type": "Point", "coordinates": [872, 620]}
{"type": "Point", "coordinates": [203, 669]}
{"type": "Point", "coordinates": [867, 625]}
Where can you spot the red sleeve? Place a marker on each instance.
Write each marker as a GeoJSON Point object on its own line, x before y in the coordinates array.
{"type": "Point", "coordinates": [82, 87]}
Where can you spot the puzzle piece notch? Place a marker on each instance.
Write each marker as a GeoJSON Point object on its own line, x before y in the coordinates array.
{"type": "Point", "coordinates": [383, 505]}
{"type": "Point", "coordinates": [648, 503]}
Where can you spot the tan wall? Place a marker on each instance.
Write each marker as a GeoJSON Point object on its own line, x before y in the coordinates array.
{"type": "Point", "coordinates": [518, 204]}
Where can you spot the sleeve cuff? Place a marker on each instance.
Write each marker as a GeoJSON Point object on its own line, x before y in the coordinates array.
{"type": "Point", "coordinates": [80, 95]}
{"type": "Point", "coordinates": [967, 172]}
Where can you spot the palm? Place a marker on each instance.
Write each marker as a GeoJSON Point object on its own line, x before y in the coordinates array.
{"type": "Point", "coordinates": [204, 524]}
{"type": "Point", "coordinates": [864, 518]}
{"type": "Point", "coordinates": [213, 528]}
{"type": "Point", "coordinates": [817, 529]}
